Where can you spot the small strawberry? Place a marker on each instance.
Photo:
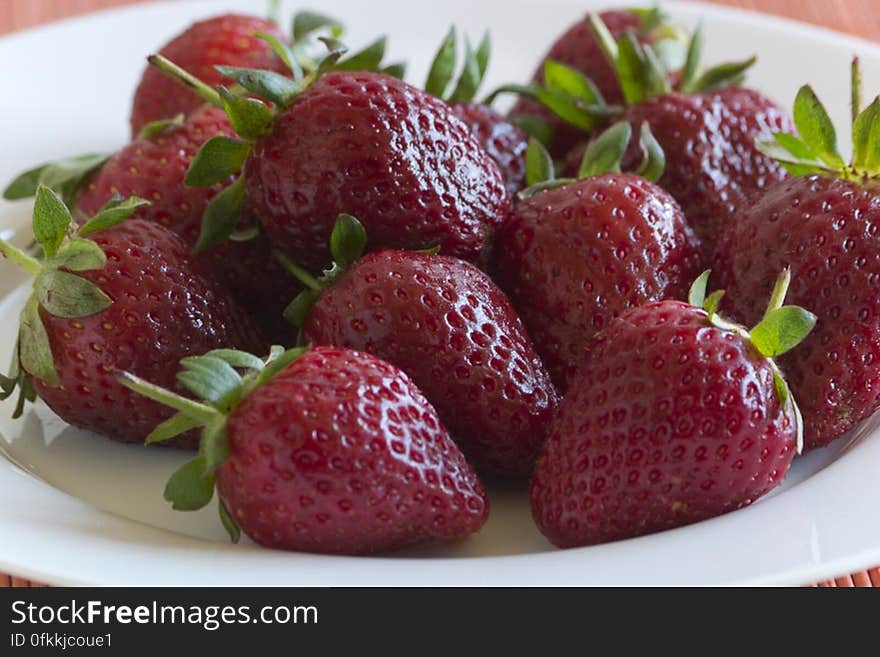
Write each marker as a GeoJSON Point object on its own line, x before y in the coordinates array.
{"type": "Point", "coordinates": [575, 254]}
{"type": "Point", "coordinates": [823, 224]}
{"type": "Point", "coordinates": [675, 416]}
{"type": "Point", "coordinates": [446, 324]}
{"type": "Point", "coordinates": [230, 39]}
{"type": "Point", "coordinates": [505, 142]}
{"type": "Point", "coordinates": [320, 450]}
{"type": "Point", "coordinates": [113, 297]}
{"type": "Point", "coordinates": [356, 142]}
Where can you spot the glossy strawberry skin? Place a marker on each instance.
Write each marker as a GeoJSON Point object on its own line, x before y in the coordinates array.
{"type": "Point", "coordinates": [502, 140]}
{"type": "Point", "coordinates": [826, 231]}
{"type": "Point", "coordinates": [448, 326]}
{"type": "Point", "coordinates": [578, 48]}
{"type": "Point", "coordinates": [391, 155]}
{"type": "Point", "coordinates": [341, 453]}
{"type": "Point", "coordinates": [166, 306]}
{"type": "Point", "coordinates": [669, 421]}
{"type": "Point", "coordinates": [155, 169]}
{"type": "Point", "coordinates": [228, 40]}
{"type": "Point", "coordinates": [573, 258]}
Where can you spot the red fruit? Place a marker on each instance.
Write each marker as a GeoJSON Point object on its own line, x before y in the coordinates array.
{"type": "Point", "coordinates": [154, 168]}
{"type": "Point", "coordinates": [161, 306]}
{"type": "Point", "coordinates": [826, 231]}
{"type": "Point", "coordinates": [575, 257]}
{"type": "Point", "coordinates": [228, 40]}
{"type": "Point", "coordinates": [446, 324]}
{"type": "Point", "coordinates": [670, 420]}
{"type": "Point", "coordinates": [502, 140]}
{"type": "Point", "coordinates": [375, 147]}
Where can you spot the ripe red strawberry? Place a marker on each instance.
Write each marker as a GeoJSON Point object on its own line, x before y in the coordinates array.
{"type": "Point", "coordinates": [127, 298]}
{"type": "Point", "coordinates": [674, 416]}
{"type": "Point", "coordinates": [446, 324]}
{"type": "Point", "coordinates": [154, 167]}
{"type": "Point", "coordinates": [321, 450]}
{"type": "Point", "coordinates": [574, 257]}
{"type": "Point", "coordinates": [230, 39]}
{"type": "Point", "coordinates": [824, 225]}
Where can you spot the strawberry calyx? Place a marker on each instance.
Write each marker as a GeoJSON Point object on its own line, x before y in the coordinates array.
{"type": "Point", "coordinates": [220, 380]}
{"type": "Point", "coordinates": [57, 289]}
{"type": "Point", "coordinates": [440, 81]}
{"type": "Point", "coordinates": [815, 151]}
{"type": "Point", "coordinates": [603, 155]}
{"type": "Point", "coordinates": [65, 176]}
{"type": "Point", "coordinates": [780, 330]}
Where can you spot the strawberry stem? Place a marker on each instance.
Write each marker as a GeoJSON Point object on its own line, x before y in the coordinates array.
{"type": "Point", "coordinates": [855, 90]}
{"type": "Point", "coordinates": [172, 70]}
{"type": "Point", "coordinates": [197, 411]}
{"type": "Point", "coordinates": [31, 265]}
{"type": "Point", "coordinates": [301, 274]}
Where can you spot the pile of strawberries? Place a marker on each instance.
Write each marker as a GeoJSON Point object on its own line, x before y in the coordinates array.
{"type": "Point", "coordinates": [352, 297]}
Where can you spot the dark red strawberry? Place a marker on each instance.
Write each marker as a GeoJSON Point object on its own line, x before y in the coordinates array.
{"type": "Point", "coordinates": [824, 225]}
{"type": "Point", "coordinates": [574, 257]}
{"type": "Point", "coordinates": [230, 39]}
{"type": "Point", "coordinates": [321, 450]}
{"type": "Point", "coordinates": [127, 298]}
{"type": "Point", "coordinates": [154, 166]}
{"type": "Point", "coordinates": [674, 416]}
{"type": "Point", "coordinates": [446, 324]}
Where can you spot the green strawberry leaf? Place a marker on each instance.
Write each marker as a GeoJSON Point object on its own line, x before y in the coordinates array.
{"type": "Point", "coordinates": [308, 22]}
{"type": "Point", "coordinates": [51, 220]}
{"type": "Point", "coordinates": [539, 164]}
{"type": "Point", "coordinates": [221, 216]}
{"type": "Point", "coordinates": [284, 52]}
{"type": "Point", "coordinates": [228, 522]}
{"type": "Point", "coordinates": [238, 359]}
{"type": "Point", "coordinates": [190, 487]}
{"type": "Point", "coordinates": [697, 293]}
{"type": "Point", "coordinates": [268, 85]}
{"type": "Point", "coordinates": [545, 186]}
{"type": "Point", "coordinates": [79, 255]}
{"type": "Point", "coordinates": [796, 146]}
{"type": "Point", "coordinates": [443, 66]}
{"type": "Point", "coordinates": [217, 161]}
{"type": "Point", "coordinates": [692, 63]}
{"type": "Point", "coordinates": [794, 164]}
{"type": "Point", "coordinates": [603, 36]}
{"type": "Point", "coordinates": [278, 363]}
{"type": "Point", "coordinates": [214, 445]}
{"type": "Point", "coordinates": [656, 82]}
{"type": "Point", "coordinates": [155, 128]}
{"type": "Point", "coordinates": [866, 140]}
{"type": "Point", "coordinates": [535, 126]}
{"type": "Point", "coordinates": [713, 301]}
{"type": "Point", "coordinates": [564, 79]}
{"type": "Point", "coordinates": [723, 75]}
{"type": "Point", "coordinates": [816, 128]}
{"type": "Point", "coordinates": [368, 59]}
{"type": "Point", "coordinates": [335, 50]}
{"type": "Point", "coordinates": [67, 295]}
{"type": "Point", "coordinates": [297, 310]}
{"type": "Point", "coordinates": [211, 379]}
{"type": "Point", "coordinates": [35, 352]}
{"type": "Point", "coordinates": [605, 153]}
{"type": "Point", "coordinates": [174, 426]}
{"type": "Point", "coordinates": [66, 175]}
{"type": "Point", "coordinates": [475, 65]}
{"type": "Point", "coordinates": [571, 110]}
{"type": "Point", "coordinates": [396, 70]}
{"type": "Point", "coordinates": [781, 330]}
{"type": "Point", "coordinates": [631, 69]}
{"type": "Point", "coordinates": [653, 158]}
{"type": "Point", "coordinates": [781, 388]}
{"type": "Point", "coordinates": [347, 240]}
{"type": "Point", "coordinates": [113, 213]}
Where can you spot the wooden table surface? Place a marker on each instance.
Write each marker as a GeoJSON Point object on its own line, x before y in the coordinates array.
{"type": "Point", "coordinates": [860, 17]}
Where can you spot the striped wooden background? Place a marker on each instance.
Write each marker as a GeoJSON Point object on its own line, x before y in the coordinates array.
{"type": "Point", "coordinates": [861, 17]}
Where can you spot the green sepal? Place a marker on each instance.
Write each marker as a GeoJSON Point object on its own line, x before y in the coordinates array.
{"type": "Point", "coordinates": [691, 68]}
{"type": "Point", "coordinates": [474, 70]}
{"type": "Point", "coordinates": [114, 212]}
{"type": "Point", "coordinates": [65, 176]}
{"type": "Point", "coordinates": [237, 359]}
{"type": "Point", "coordinates": [572, 110]}
{"type": "Point", "coordinates": [222, 215]}
{"type": "Point", "coordinates": [308, 22]}
{"type": "Point", "coordinates": [190, 487]}
{"type": "Point", "coordinates": [713, 301]}
{"type": "Point", "coordinates": [348, 240]}
{"type": "Point", "coordinates": [228, 521]}
{"type": "Point", "coordinates": [539, 164]}
{"type": "Point", "coordinates": [172, 427]}
{"type": "Point", "coordinates": [781, 388]}
{"type": "Point", "coordinates": [212, 379]}
{"type": "Point", "coordinates": [249, 117]}
{"type": "Point", "coordinates": [63, 294]}
{"type": "Point", "coordinates": [368, 59]}
{"type": "Point", "coordinates": [395, 70]}
{"type": "Point", "coordinates": [781, 330]}
{"type": "Point", "coordinates": [443, 66]}
{"type": "Point", "coordinates": [605, 153]}
{"type": "Point", "coordinates": [155, 128]}
{"type": "Point", "coordinates": [560, 78]}
{"type": "Point", "coordinates": [697, 293]}
{"type": "Point", "coordinates": [866, 140]}
{"type": "Point", "coordinates": [335, 50]}
{"type": "Point", "coordinates": [51, 220]}
{"type": "Point", "coordinates": [79, 255]}
{"type": "Point", "coordinates": [536, 127]}
{"type": "Point", "coordinates": [214, 445]}
{"type": "Point", "coordinates": [816, 128]}
{"type": "Point", "coordinates": [35, 352]}
{"type": "Point", "coordinates": [218, 159]}
{"type": "Point", "coordinates": [297, 310]}
{"type": "Point", "coordinates": [723, 75]}
{"type": "Point", "coordinates": [545, 186]}
{"type": "Point", "coordinates": [284, 52]}
{"type": "Point", "coordinates": [631, 69]}
{"type": "Point", "coordinates": [653, 158]}
{"type": "Point", "coordinates": [790, 153]}
{"type": "Point", "coordinates": [278, 361]}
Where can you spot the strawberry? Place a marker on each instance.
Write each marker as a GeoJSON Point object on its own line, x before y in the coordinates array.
{"type": "Point", "coordinates": [578, 49]}
{"type": "Point", "coordinates": [320, 450]}
{"type": "Point", "coordinates": [358, 142]}
{"type": "Point", "coordinates": [446, 324]}
{"type": "Point", "coordinates": [822, 224]}
{"type": "Point", "coordinates": [575, 256]}
{"type": "Point", "coordinates": [229, 39]}
{"type": "Point", "coordinates": [113, 297]}
{"type": "Point", "coordinates": [675, 416]}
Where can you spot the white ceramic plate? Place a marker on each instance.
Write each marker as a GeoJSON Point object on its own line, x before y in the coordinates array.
{"type": "Point", "coordinates": [78, 509]}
